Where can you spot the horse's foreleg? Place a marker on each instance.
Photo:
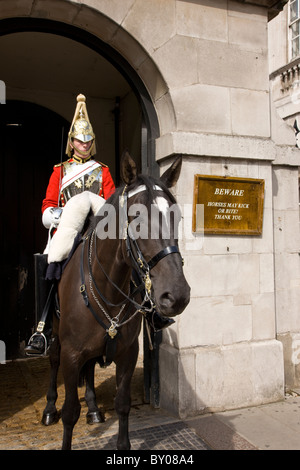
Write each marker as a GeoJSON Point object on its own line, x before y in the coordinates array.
{"type": "Point", "coordinates": [71, 407]}
{"type": "Point", "coordinates": [50, 414]}
{"type": "Point", "coordinates": [124, 372]}
{"type": "Point", "coordinates": [94, 415]}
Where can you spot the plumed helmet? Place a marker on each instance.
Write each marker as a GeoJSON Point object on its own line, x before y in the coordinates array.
{"type": "Point", "coordinates": [81, 127]}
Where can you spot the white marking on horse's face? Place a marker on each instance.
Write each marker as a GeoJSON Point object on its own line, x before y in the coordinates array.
{"type": "Point", "coordinates": [162, 205]}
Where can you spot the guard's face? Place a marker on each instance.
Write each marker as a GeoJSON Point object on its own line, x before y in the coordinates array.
{"type": "Point", "coordinates": [81, 146]}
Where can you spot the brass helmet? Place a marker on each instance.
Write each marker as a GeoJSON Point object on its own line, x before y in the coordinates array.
{"type": "Point", "coordinates": [81, 129]}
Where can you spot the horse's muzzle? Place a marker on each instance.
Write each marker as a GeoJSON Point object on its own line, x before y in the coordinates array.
{"type": "Point", "coordinates": [173, 303]}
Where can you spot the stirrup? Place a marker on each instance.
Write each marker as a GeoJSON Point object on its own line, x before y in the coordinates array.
{"type": "Point", "coordinates": [31, 339]}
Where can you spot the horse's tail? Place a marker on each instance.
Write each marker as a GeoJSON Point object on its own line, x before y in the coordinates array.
{"type": "Point", "coordinates": [86, 368]}
{"type": "Point", "coordinates": [82, 376]}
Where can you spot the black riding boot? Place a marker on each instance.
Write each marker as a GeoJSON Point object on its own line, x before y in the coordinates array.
{"type": "Point", "coordinates": [44, 290]}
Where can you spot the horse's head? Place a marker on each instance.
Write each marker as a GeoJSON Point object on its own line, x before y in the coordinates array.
{"type": "Point", "coordinates": [152, 235]}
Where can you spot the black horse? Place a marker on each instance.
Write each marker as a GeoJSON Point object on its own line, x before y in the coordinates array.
{"type": "Point", "coordinates": [101, 307]}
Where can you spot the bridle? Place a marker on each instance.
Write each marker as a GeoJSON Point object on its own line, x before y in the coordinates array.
{"type": "Point", "coordinates": [142, 266]}
{"type": "Point", "coordinates": [141, 276]}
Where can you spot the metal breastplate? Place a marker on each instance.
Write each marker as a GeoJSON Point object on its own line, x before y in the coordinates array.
{"type": "Point", "coordinates": [89, 179]}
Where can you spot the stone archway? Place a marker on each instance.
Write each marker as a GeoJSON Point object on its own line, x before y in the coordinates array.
{"type": "Point", "coordinates": [103, 32]}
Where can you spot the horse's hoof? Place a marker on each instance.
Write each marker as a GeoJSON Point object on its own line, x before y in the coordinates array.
{"type": "Point", "coordinates": [50, 418]}
{"type": "Point", "coordinates": [95, 417]}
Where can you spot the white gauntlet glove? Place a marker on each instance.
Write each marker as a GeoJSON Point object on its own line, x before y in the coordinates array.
{"type": "Point", "coordinates": [51, 216]}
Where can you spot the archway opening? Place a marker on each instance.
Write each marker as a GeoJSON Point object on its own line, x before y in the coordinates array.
{"type": "Point", "coordinates": [26, 158]}
{"type": "Point", "coordinates": [45, 65]}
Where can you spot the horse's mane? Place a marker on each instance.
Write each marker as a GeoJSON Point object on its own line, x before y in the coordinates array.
{"type": "Point", "coordinates": [148, 181]}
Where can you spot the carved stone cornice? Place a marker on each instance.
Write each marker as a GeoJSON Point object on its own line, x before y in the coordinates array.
{"type": "Point", "coordinates": [289, 76]}
{"type": "Point", "coordinates": [274, 6]}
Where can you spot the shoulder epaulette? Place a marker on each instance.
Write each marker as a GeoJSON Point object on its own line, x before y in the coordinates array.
{"type": "Point", "coordinates": [60, 164]}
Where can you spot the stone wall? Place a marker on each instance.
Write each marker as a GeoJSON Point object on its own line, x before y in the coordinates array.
{"type": "Point", "coordinates": [284, 86]}
{"type": "Point", "coordinates": [218, 344]}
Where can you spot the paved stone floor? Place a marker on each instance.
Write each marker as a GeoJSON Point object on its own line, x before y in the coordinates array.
{"type": "Point", "coordinates": [23, 389]}
{"type": "Point", "coordinates": [172, 436]}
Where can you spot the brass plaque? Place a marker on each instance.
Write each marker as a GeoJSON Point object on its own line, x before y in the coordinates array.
{"type": "Point", "coordinates": [232, 206]}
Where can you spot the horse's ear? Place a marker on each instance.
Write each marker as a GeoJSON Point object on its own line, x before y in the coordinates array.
{"type": "Point", "coordinates": [171, 175]}
{"type": "Point", "coordinates": [128, 168]}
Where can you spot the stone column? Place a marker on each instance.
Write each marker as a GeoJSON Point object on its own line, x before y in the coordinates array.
{"type": "Point", "coordinates": [287, 263]}
{"type": "Point", "coordinates": [223, 352]}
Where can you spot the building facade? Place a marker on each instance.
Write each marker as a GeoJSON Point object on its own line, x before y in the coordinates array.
{"type": "Point", "coordinates": [169, 77]}
{"type": "Point", "coordinates": [284, 88]}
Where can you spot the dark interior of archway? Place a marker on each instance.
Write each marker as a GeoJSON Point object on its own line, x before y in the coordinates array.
{"type": "Point", "coordinates": [19, 24]}
{"type": "Point", "coordinates": [31, 144]}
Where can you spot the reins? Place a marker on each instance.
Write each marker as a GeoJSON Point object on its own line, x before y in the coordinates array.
{"type": "Point", "coordinates": [114, 322]}
{"type": "Point", "coordinates": [127, 297]}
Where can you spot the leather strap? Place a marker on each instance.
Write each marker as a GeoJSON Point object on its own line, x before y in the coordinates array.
{"type": "Point", "coordinates": [165, 252]}
{"type": "Point", "coordinates": [111, 343]}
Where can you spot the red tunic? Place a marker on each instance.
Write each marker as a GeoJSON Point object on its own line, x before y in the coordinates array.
{"type": "Point", "coordinates": [52, 193]}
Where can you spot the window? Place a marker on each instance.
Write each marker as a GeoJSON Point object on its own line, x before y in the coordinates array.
{"type": "Point", "coordinates": [294, 27]}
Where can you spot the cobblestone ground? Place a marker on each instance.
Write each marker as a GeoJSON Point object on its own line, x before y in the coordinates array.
{"type": "Point", "coordinates": [23, 388]}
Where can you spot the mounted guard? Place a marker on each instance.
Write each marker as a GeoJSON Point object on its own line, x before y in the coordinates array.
{"type": "Point", "coordinates": [78, 174]}
{"type": "Point", "coordinates": [81, 173]}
